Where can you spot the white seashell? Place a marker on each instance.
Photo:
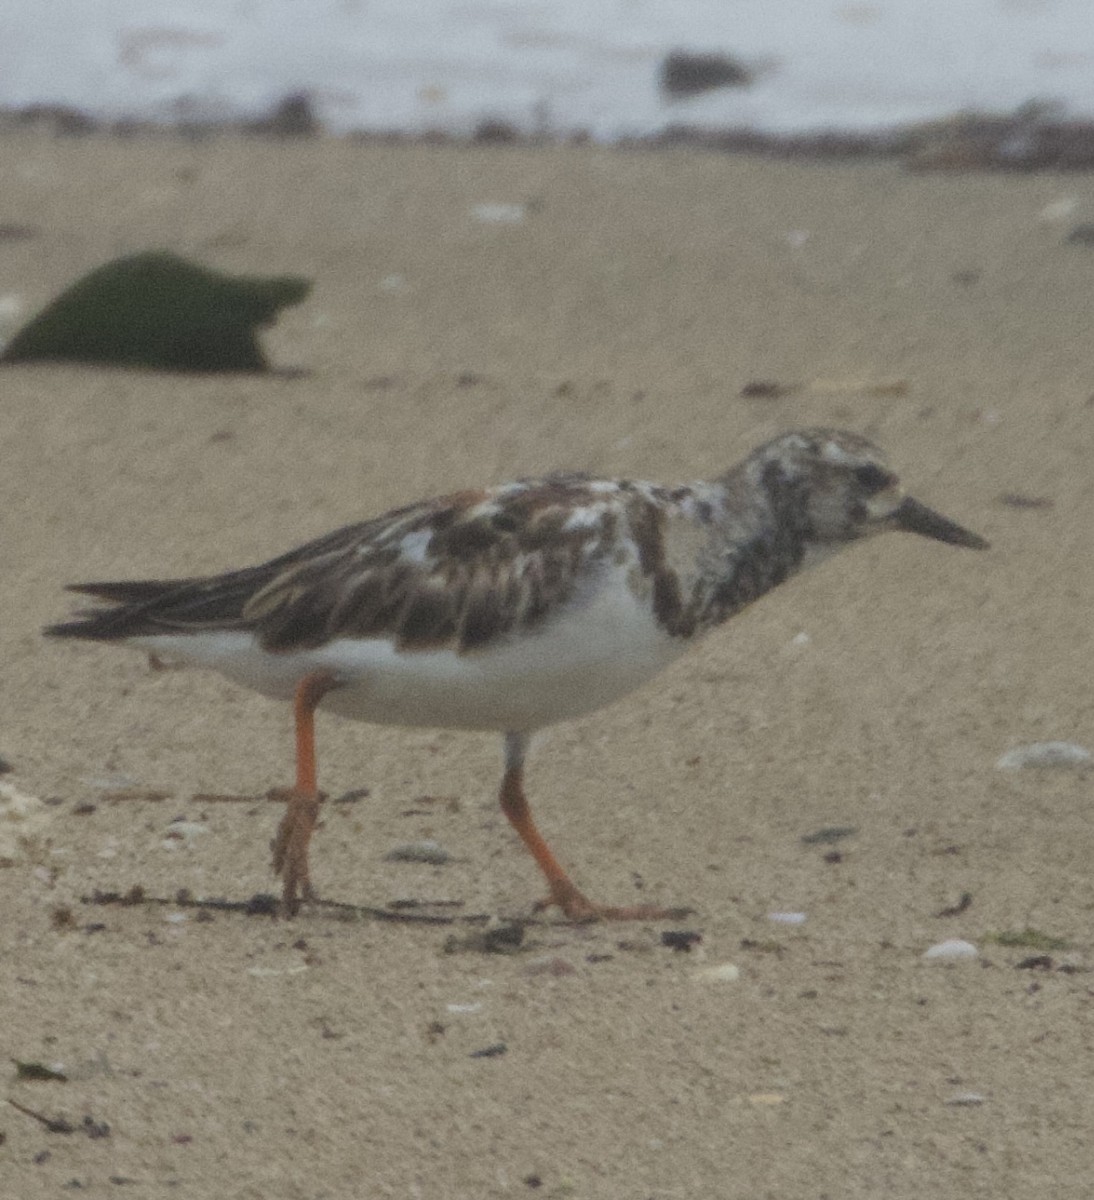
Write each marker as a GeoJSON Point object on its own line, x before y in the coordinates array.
{"type": "Point", "coordinates": [787, 918]}
{"type": "Point", "coordinates": [16, 805]}
{"type": "Point", "coordinates": [1044, 754]}
{"type": "Point", "coordinates": [1058, 210]}
{"type": "Point", "coordinates": [21, 817]}
{"type": "Point", "coordinates": [720, 973]}
{"type": "Point", "coordinates": [183, 833]}
{"type": "Point", "coordinates": [111, 783]}
{"type": "Point", "coordinates": [950, 949]}
{"type": "Point", "coordinates": [498, 214]}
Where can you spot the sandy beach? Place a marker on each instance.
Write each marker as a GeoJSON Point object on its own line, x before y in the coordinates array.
{"type": "Point", "coordinates": [654, 315]}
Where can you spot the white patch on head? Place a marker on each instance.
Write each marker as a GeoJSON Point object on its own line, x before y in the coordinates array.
{"type": "Point", "coordinates": [586, 516]}
{"type": "Point", "coordinates": [414, 546]}
{"type": "Point", "coordinates": [834, 452]}
{"type": "Point", "coordinates": [883, 504]}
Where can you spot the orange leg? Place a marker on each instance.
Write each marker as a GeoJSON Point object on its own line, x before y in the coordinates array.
{"type": "Point", "coordinates": [575, 905]}
{"type": "Point", "coordinates": [290, 846]}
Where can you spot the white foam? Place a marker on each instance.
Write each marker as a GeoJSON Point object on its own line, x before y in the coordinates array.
{"type": "Point", "coordinates": [570, 65]}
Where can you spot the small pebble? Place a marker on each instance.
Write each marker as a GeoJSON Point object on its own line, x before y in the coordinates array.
{"type": "Point", "coordinates": [1058, 210]}
{"type": "Point", "coordinates": [419, 852]}
{"type": "Point", "coordinates": [1044, 754]}
{"type": "Point", "coordinates": [966, 1099]}
{"type": "Point", "coordinates": [494, 1051]}
{"type": "Point", "coordinates": [827, 834]}
{"type": "Point", "coordinates": [767, 389]}
{"type": "Point", "coordinates": [951, 948]}
{"type": "Point", "coordinates": [680, 940]}
{"type": "Point", "coordinates": [503, 938]}
{"type": "Point", "coordinates": [787, 918]}
{"type": "Point", "coordinates": [1035, 962]}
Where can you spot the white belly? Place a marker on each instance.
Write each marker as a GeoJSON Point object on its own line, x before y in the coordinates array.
{"type": "Point", "coordinates": [580, 661]}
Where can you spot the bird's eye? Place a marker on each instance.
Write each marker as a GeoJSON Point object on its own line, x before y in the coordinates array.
{"type": "Point", "coordinates": [871, 478]}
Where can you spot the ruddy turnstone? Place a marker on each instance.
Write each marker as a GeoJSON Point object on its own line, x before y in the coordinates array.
{"type": "Point", "coordinates": [511, 607]}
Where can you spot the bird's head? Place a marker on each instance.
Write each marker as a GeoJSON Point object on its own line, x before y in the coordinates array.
{"type": "Point", "coordinates": [843, 489]}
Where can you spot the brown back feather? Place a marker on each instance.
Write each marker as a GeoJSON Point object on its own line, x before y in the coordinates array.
{"type": "Point", "coordinates": [459, 572]}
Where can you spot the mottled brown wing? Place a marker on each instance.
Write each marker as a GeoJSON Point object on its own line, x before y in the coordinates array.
{"type": "Point", "coordinates": [460, 572]}
{"type": "Point", "coordinates": [152, 607]}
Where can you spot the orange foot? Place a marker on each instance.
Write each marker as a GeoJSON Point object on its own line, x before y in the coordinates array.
{"type": "Point", "coordinates": [577, 907]}
{"type": "Point", "coordinates": [290, 845]}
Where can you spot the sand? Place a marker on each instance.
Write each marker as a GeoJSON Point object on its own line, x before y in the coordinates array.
{"type": "Point", "coordinates": [612, 329]}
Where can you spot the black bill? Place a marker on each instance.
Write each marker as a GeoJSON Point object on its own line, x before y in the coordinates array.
{"type": "Point", "coordinates": [918, 518]}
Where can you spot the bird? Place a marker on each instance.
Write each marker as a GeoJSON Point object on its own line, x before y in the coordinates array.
{"type": "Point", "coordinates": [509, 608]}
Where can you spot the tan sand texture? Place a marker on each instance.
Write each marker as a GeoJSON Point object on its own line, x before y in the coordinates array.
{"type": "Point", "coordinates": [612, 328]}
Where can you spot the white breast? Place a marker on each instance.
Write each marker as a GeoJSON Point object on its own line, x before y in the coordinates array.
{"type": "Point", "coordinates": [592, 653]}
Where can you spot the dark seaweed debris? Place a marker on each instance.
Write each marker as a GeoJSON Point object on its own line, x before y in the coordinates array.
{"type": "Point", "coordinates": [156, 309]}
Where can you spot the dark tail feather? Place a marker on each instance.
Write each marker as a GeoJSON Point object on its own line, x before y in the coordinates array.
{"type": "Point", "coordinates": [128, 591]}
{"type": "Point", "coordinates": [90, 625]}
{"type": "Point", "coordinates": [128, 599]}
{"type": "Point", "coordinates": [151, 607]}
{"type": "Point", "coordinates": [98, 625]}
